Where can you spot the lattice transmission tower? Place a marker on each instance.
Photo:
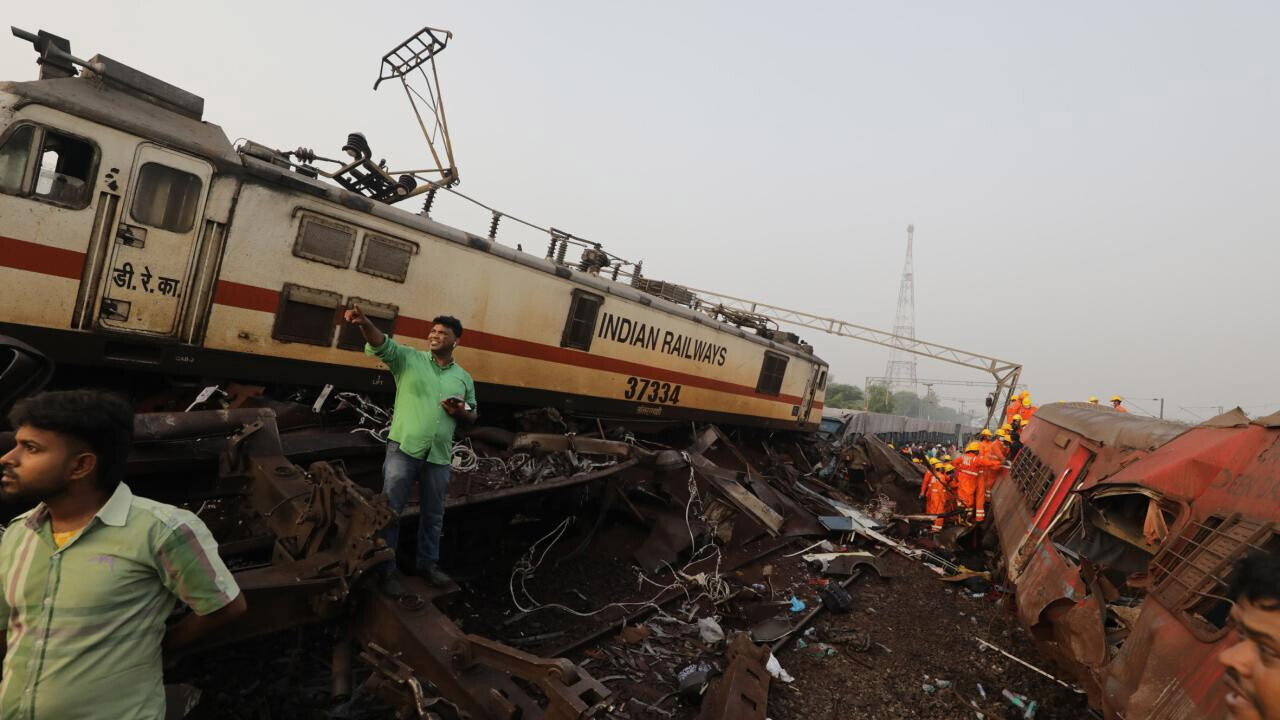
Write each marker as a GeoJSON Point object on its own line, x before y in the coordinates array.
{"type": "Point", "coordinates": [901, 370]}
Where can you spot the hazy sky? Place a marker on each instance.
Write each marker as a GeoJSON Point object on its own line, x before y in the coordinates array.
{"type": "Point", "coordinates": [1093, 184]}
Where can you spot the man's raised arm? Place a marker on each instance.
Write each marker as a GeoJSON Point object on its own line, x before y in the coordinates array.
{"type": "Point", "coordinates": [371, 333]}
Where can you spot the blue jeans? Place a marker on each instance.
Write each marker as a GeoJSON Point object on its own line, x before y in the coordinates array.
{"type": "Point", "coordinates": [399, 473]}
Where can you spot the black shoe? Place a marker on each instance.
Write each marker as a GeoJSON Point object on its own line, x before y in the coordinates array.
{"type": "Point", "coordinates": [392, 585]}
{"type": "Point", "coordinates": [435, 576]}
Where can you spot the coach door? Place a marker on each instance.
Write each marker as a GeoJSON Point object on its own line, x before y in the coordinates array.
{"type": "Point", "coordinates": [149, 264]}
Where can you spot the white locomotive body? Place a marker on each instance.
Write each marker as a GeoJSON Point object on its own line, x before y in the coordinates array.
{"type": "Point", "coordinates": [133, 234]}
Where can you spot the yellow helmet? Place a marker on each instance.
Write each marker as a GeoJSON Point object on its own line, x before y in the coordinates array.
{"type": "Point", "coordinates": [946, 458]}
{"type": "Point", "coordinates": [934, 462]}
{"type": "Point", "coordinates": [985, 433]}
{"type": "Point", "coordinates": [1116, 398]}
{"type": "Point", "coordinates": [890, 445]}
{"type": "Point", "coordinates": [1093, 399]}
{"type": "Point", "coordinates": [915, 460]}
{"type": "Point", "coordinates": [972, 447]}
{"type": "Point", "coordinates": [1006, 427]}
{"type": "Point", "coordinates": [949, 467]}
{"type": "Point", "coordinates": [1018, 418]}
{"type": "Point", "coordinates": [1025, 394]}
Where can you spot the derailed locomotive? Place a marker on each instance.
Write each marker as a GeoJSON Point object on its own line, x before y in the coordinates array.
{"type": "Point", "coordinates": [1119, 534]}
{"type": "Point", "coordinates": [133, 235]}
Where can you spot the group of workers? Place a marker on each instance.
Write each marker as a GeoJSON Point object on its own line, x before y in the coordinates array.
{"type": "Point", "coordinates": [961, 486]}
{"type": "Point", "coordinates": [1117, 403]}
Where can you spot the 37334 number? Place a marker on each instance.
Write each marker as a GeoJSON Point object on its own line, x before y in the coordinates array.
{"type": "Point", "coordinates": [646, 390]}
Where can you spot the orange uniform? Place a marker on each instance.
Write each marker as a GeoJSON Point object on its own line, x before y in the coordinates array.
{"type": "Point", "coordinates": [1015, 408]}
{"type": "Point", "coordinates": [1027, 412]}
{"type": "Point", "coordinates": [1121, 408]}
{"type": "Point", "coordinates": [970, 469]}
{"type": "Point", "coordinates": [991, 450]}
{"type": "Point", "coordinates": [937, 496]}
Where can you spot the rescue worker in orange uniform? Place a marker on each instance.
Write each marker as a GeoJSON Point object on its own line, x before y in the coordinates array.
{"type": "Point", "coordinates": [989, 448]}
{"type": "Point", "coordinates": [1093, 399]}
{"type": "Point", "coordinates": [936, 494]}
{"type": "Point", "coordinates": [1000, 451]}
{"type": "Point", "coordinates": [969, 477]}
{"type": "Point", "coordinates": [1116, 402]}
{"type": "Point", "coordinates": [1015, 407]}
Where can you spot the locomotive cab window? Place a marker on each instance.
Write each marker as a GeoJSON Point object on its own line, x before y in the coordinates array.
{"type": "Point", "coordinates": [580, 326]}
{"type": "Point", "coordinates": [14, 154]}
{"type": "Point", "coordinates": [166, 198]}
{"type": "Point", "coordinates": [62, 170]}
{"type": "Point", "coordinates": [771, 373]}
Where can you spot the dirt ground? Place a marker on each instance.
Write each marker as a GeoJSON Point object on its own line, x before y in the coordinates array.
{"type": "Point", "coordinates": [923, 634]}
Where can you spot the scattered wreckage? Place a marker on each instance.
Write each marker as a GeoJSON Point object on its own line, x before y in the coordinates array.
{"type": "Point", "coordinates": [290, 493]}
{"type": "Point", "coordinates": [1119, 534]}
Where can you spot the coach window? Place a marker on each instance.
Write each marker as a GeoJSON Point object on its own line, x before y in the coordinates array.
{"type": "Point", "coordinates": [580, 326]}
{"type": "Point", "coordinates": [775, 366]}
{"type": "Point", "coordinates": [1191, 575]}
{"type": "Point", "coordinates": [166, 198]}
{"type": "Point", "coordinates": [63, 166]}
{"type": "Point", "coordinates": [325, 240]}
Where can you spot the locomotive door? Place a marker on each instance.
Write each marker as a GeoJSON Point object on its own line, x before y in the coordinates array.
{"type": "Point", "coordinates": [149, 264]}
{"type": "Point", "coordinates": [811, 389]}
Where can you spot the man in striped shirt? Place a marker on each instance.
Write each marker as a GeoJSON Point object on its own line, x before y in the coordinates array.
{"type": "Point", "coordinates": [90, 574]}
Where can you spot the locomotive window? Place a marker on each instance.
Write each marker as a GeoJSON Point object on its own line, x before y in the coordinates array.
{"type": "Point", "coordinates": [63, 166]}
{"type": "Point", "coordinates": [385, 257]}
{"type": "Point", "coordinates": [580, 326]}
{"type": "Point", "coordinates": [325, 241]}
{"type": "Point", "coordinates": [822, 379]}
{"type": "Point", "coordinates": [166, 198]}
{"type": "Point", "coordinates": [382, 315]}
{"type": "Point", "coordinates": [771, 372]}
{"type": "Point", "coordinates": [13, 159]}
{"type": "Point", "coordinates": [306, 315]}
{"type": "Point", "coordinates": [63, 175]}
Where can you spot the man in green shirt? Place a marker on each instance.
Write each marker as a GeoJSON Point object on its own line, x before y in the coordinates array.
{"type": "Point", "coordinates": [433, 394]}
{"type": "Point", "coordinates": [89, 576]}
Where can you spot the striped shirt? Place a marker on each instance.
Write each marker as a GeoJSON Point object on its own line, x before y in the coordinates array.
{"type": "Point", "coordinates": [85, 620]}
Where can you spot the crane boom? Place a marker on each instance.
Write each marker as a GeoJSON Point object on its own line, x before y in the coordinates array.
{"type": "Point", "coordinates": [1004, 372]}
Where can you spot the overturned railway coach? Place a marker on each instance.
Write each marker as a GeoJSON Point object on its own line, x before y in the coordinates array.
{"type": "Point", "coordinates": [1119, 534]}
{"type": "Point", "coordinates": [134, 235]}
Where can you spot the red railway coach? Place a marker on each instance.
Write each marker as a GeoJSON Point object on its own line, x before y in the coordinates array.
{"type": "Point", "coordinates": [1119, 533]}
{"type": "Point", "coordinates": [134, 235]}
